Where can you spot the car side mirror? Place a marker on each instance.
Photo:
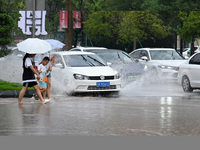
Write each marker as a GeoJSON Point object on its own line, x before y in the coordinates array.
{"type": "Point", "coordinates": [144, 58]}
{"type": "Point", "coordinates": [186, 57]}
{"type": "Point", "coordinates": [59, 65]}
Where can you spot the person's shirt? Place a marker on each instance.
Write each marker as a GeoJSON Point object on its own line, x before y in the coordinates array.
{"type": "Point", "coordinates": [41, 57]}
{"type": "Point", "coordinates": [28, 74]}
{"type": "Point", "coordinates": [28, 62]}
{"type": "Point", "coordinates": [42, 68]}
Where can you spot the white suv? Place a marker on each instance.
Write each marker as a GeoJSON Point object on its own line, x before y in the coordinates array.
{"type": "Point", "coordinates": [163, 63]}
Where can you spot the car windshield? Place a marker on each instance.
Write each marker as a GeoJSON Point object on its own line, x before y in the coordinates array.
{"type": "Point", "coordinates": [165, 55]}
{"type": "Point", "coordinates": [115, 57]}
{"type": "Point", "coordinates": [83, 61]}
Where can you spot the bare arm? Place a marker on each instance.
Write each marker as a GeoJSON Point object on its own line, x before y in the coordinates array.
{"type": "Point", "coordinates": [38, 76]}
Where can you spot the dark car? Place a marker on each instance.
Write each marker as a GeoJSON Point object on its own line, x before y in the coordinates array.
{"type": "Point", "coordinates": [129, 69]}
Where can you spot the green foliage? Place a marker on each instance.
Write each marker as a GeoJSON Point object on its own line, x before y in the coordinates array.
{"type": "Point", "coordinates": [171, 5]}
{"type": "Point", "coordinates": [142, 25]}
{"type": "Point", "coordinates": [191, 26]}
{"type": "Point", "coordinates": [109, 22]}
{"type": "Point", "coordinates": [101, 23]}
{"type": "Point", "coordinates": [124, 26]}
{"type": "Point", "coordinates": [94, 5]}
{"type": "Point", "coordinates": [122, 5]}
{"type": "Point", "coordinates": [6, 25]}
{"type": "Point", "coordinates": [4, 51]}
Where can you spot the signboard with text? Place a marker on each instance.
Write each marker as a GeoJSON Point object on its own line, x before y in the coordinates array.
{"type": "Point", "coordinates": [64, 19]}
{"type": "Point", "coordinates": [26, 22]}
{"type": "Point", "coordinates": [77, 19]}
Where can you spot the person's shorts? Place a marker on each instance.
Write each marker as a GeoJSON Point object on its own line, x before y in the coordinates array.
{"type": "Point", "coordinates": [49, 75]}
{"type": "Point", "coordinates": [43, 84]}
{"type": "Point", "coordinates": [29, 84]}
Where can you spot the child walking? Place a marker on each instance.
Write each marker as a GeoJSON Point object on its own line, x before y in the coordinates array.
{"type": "Point", "coordinates": [28, 78]}
{"type": "Point", "coordinates": [43, 74]}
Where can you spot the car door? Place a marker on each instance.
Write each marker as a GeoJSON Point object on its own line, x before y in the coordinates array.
{"type": "Point", "coordinates": [194, 70]}
{"type": "Point", "coordinates": [135, 55]}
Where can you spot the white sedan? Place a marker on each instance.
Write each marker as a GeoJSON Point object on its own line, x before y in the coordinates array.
{"type": "Point", "coordinates": [78, 72]}
{"type": "Point", "coordinates": [188, 75]}
{"type": "Point", "coordinates": [163, 63]}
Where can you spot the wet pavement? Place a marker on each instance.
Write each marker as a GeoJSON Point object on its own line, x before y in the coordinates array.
{"type": "Point", "coordinates": [163, 110]}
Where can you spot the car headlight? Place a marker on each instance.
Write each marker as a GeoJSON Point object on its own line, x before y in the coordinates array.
{"type": "Point", "coordinates": [117, 76]}
{"type": "Point", "coordinates": [168, 67]}
{"type": "Point", "coordinates": [80, 77]}
{"type": "Point", "coordinates": [145, 68]}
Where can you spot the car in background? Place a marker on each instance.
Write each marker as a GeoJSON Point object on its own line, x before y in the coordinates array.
{"type": "Point", "coordinates": [188, 75]}
{"type": "Point", "coordinates": [79, 72]}
{"type": "Point", "coordinates": [85, 49]}
{"type": "Point", "coordinates": [186, 51]}
{"type": "Point", "coordinates": [163, 63]}
{"type": "Point", "coordinates": [119, 60]}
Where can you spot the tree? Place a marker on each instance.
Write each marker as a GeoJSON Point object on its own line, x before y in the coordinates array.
{"type": "Point", "coordinates": [191, 27]}
{"type": "Point", "coordinates": [170, 13]}
{"type": "Point", "coordinates": [12, 8]}
{"type": "Point", "coordinates": [121, 5]}
{"type": "Point", "coordinates": [6, 26]}
{"type": "Point", "coordinates": [124, 27]}
{"type": "Point", "coordinates": [141, 25]}
{"type": "Point", "coordinates": [102, 27]}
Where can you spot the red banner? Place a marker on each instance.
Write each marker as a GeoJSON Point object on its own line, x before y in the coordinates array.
{"type": "Point", "coordinates": [63, 19]}
{"type": "Point", "coordinates": [77, 19]}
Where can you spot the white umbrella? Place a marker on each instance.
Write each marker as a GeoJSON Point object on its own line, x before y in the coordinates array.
{"type": "Point", "coordinates": [55, 44]}
{"type": "Point", "coordinates": [34, 46]}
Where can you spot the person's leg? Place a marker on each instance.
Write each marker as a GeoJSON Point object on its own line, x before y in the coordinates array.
{"type": "Point", "coordinates": [49, 87]}
{"type": "Point", "coordinates": [22, 93]}
{"type": "Point", "coordinates": [44, 93]}
{"type": "Point", "coordinates": [37, 90]}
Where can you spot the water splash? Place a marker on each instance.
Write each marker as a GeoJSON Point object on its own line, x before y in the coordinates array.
{"type": "Point", "coordinates": [11, 69]}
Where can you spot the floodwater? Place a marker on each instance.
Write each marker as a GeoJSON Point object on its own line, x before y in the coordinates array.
{"type": "Point", "coordinates": [123, 115]}
{"type": "Point", "coordinates": [141, 108]}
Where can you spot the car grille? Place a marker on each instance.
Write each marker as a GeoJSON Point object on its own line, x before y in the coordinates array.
{"type": "Point", "coordinates": [98, 78]}
{"type": "Point", "coordinates": [102, 88]}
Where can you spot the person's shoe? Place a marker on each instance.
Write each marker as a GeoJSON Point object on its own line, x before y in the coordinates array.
{"type": "Point", "coordinates": [46, 101]}
{"type": "Point", "coordinates": [49, 99]}
{"type": "Point", "coordinates": [35, 97]}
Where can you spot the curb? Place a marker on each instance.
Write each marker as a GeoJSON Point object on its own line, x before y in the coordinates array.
{"type": "Point", "coordinates": [15, 93]}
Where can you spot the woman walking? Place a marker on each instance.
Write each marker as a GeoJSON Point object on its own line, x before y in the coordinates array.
{"type": "Point", "coordinates": [28, 78]}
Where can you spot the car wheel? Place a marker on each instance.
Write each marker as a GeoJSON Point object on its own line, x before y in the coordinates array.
{"type": "Point", "coordinates": [153, 76]}
{"type": "Point", "coordinates": [154, 72]}
{"type": "Point", "coordinates": [186, 84]}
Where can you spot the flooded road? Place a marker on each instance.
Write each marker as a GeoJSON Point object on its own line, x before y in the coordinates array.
{"type": "Point", "coordinates": [163, 110]}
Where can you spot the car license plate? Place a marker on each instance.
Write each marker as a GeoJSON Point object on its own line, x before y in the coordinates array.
{"type": "Point", "coordinates": [103, 84]}
{"type": "Point", "coordinates": [133, 78]}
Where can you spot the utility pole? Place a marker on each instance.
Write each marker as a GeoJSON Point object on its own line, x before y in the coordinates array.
{"type": "Point", "coordinates": [68, 31]}
{"type": "Point", "coordinates": [33, 29]}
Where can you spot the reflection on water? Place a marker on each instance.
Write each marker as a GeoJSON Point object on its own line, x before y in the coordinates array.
{"type": "Point", "coordinates": [166, 113]}
{"type": "Point", "coordinates": [150, 116]}
{"type": "Point", "coordinates": [24, 119]}
{"type": "Point", "coordinates": [33, 118]}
